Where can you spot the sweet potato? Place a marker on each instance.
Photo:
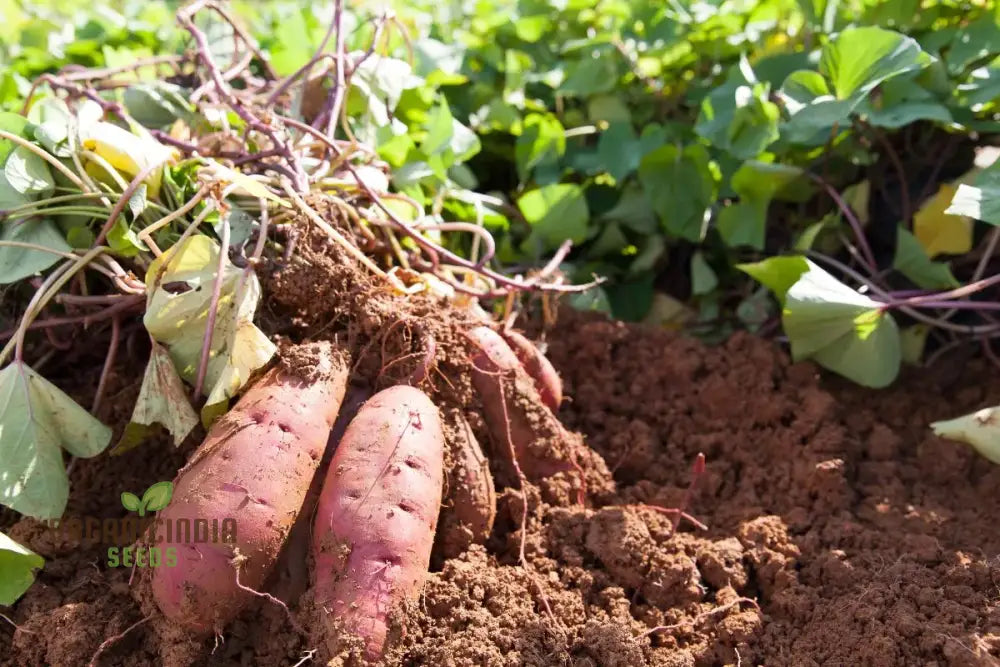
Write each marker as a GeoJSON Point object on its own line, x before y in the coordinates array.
{"type": "Point", "coordinates": [255, 467]}
{"type": "Point", "coordinates": [291, 579]}
{"type": "Point", "coordinates": [521, 426]}
{"type": "Point", "coordinates": [468, 516]}
{"type": "Point", "coordinates": [377, 515]}
{"type": "Point", "coordinates": [547, 380]}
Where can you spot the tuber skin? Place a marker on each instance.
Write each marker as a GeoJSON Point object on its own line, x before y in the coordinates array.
{"type": "Point", "coordinates": [520, 424]}
{"type": "Point", "coordinates": [377, 517]}
{"type": "Point", "coordinates": [468, 518]}
{"type": "Point", "coordinates": [541, 370]}
{"type": "Point", "coordinates": [255, 466]}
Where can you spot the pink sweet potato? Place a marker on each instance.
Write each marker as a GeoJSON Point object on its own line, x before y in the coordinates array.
{"type": "Point", "coordinates": [547, 380]}
{"type": "Point", "coordinates": [467, 517]}
{"type": "Point", "coordinates": [377, 516]}
{"type": "Point", "coordinates": [253, 470]}
{"type": "Point", "coordinates": [521, 426]}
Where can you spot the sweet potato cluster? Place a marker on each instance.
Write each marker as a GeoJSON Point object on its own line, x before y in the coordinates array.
{"type": "Point", "coordinates": [378, 510]}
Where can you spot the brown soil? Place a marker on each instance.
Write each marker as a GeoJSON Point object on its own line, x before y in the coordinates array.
{"type": "Point", "coordinates": [840, 531]}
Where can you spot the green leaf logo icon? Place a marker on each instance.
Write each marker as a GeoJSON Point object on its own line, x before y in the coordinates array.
{"type": "Point", "coordinates": [130, 501]}
{"type": "Point", "coordinates": [154, 499]}
{"type": "Point", "coordinates": [157, 496]}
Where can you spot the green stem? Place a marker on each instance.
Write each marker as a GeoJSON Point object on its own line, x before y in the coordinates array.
{"type": "Point", "coordinates": [24, 143]}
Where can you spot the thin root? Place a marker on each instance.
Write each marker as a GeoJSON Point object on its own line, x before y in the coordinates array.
{"type": "Point", "coordinates": [111, 641]}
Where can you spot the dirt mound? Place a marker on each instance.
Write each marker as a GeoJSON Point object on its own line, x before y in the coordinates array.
{"type": "Point", "coordinates": [839, 530]}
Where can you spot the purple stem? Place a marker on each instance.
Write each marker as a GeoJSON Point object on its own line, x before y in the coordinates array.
{"type": "Point", "coordinates": [859, 232]}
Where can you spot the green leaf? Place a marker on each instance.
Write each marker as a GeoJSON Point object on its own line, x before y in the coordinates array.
{"type": "Point", "coordinates": [619, 151]}
{"type": "Point", "coordinates": [590, 76]}
{"type": "Point", "coordinates": [777, 273]}
{"type": "Point", "coordinates": [14, 124]}
{"type": "Point", "coordinates": [17, 570]}
{"type": "Point", "coordinates": [813, 109]}
{"type": "Point", "coordinates": [977, 41]}
{"type": "Point", "coordinates": [439, 129]}
{"type": "Point", "coordinates": [38, 421]}
{"type": "Point", "coordinates": [912, 261]}
{"type": "Point", "coordinates": [980, 201]}
{"type": "Point", "coordinates": [861, 58]}
{"type": "Point", "coordinates": [52, 120]}
{"type": "Point", "coordinates": [157, 103]}
{"type": "Point", "coordinates": [594, 299]}
{"type": "Point", "coordinates": [179, 320]}
{"type": "Point", "coordinates": [912, 341]}
{"type": "Point", "coordinates": [157, 496]}
{"type": "Point", "coordinates": [680, 185]}
{"type": "Point", "coordinates": [123, 240]}
{"type": "Point", "coordinates": [608, 108]}
{"type": "Point", "coordinates": [130, 501]}
{"type": "Point", "coordinates": [703, 278]}
{"type": "Point", "coordinates": [17, 263]}
{"type": "Point", "coordinates": [633, 210]}
{"type": "Point", "coordinates": [27, 173]}
{"type": "Point", "coordinates": [556, 213]}
{"type": "Point", "coordinates": [162, 400]}
{"type": "Point", "coordinates": [841, 329]}
{"type": "Point", "coordinates": [543, 137]}
{"type": "Point", "coordinates": [756, 183]}
{"type": "Point", "coordinates": [738, 116]}
{"type": "Point", "coordinates": [631, 301]}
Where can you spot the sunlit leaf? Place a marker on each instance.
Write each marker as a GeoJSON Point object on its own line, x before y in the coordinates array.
{"type": "Point", "coordinates": [938, 228]}
{"type": "Point", "coordinates": [179, 320]}
{"type": "Point", "coordinates": [17, 569]}
{"type": "Point", "coordinates": [979, 200]}
{"type": "Point", "coordinates": [777, 273]}
{"type": "Point", "coordinates": [543, 137]}
{"type": "Point", "coordinates": [861, 58]}
{"type": "Point", "coordinates": [841, 329]}
{"type": "Point", "coordinates": [245, 183]}
{"type": "Point", "coordinates": [37, 422]}
{"type": "Point", "coordinates": [738, 116]}
{"type": "Point", "coordinates": [28, 173]}
{"type": "Point", "coordinates": [556, 213]}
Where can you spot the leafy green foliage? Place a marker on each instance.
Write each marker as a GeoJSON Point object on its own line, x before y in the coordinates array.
{"type": "Point", "coordinates": [829, 322]}
{"type": "Point", "coordinates": [17, 569]}
{"type": "Point", "coordinates": [37, 422]}
{"type": "Point", "coordinates": [980, 200]}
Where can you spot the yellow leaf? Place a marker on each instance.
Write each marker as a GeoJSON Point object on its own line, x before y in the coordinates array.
{"type": "Point", "coordinates": [128, 153]}
{"type": "Point", "coordinates": [939, 232]}
{"type": "Point", "coordinates": [243, 182]}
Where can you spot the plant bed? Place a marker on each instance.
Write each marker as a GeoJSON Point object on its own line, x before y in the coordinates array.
{"type": "Point", "coordinates": [829, 505]}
